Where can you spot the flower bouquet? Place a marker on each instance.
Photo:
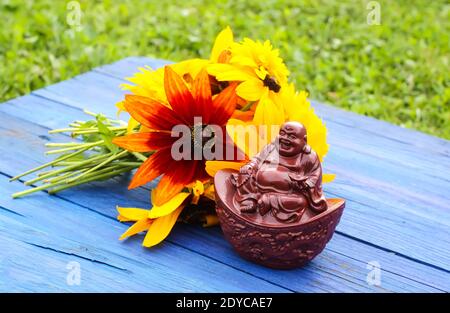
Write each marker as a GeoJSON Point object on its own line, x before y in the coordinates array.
{"type": "Point", "coordinates": [188, 120]}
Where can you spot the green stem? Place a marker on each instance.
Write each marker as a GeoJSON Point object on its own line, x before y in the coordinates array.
{"type": "Point", "coordinates": [109, 120]}
{"type": "Point", "coordinates": [90, 113]}
{"type": "Point", "coordinates": [139, 156]}
{"type": "Point", "coordinates": [90, 179]}
{"type": "Point", "coordinates": [49, 163]}
{"type": "Point", "coordinates": [63, 144]}
{"type": "Point", "coordinates": [65, 169]}
{"type": "Point", "coordinates": [105, 173]}
{"type": "Point", "coordinates": [66, 163]}
{"type": "Point", "coordinates": [247, 106]}
{"type": "Point", "coordinates": [64, 176]}
{"type": "Point", "coordinates": [126, 163]}
{"type": "Point", "coordinates": [110, 159]}
{"type": "Point", "coordinates": [63, 130]}
{"type": "Point", "coordinates": [89, 145]}
{"type": "Point", "coordinates": [32, 190]}
{"type": "Point", "coordinates": [95, 131]}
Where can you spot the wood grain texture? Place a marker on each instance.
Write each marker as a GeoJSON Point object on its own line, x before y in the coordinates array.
{"type": "Point", "coordinates": [388, 219]}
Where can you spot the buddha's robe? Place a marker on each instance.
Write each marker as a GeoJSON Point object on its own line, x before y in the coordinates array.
{"type": "Point", "coordinates": [275, 184]}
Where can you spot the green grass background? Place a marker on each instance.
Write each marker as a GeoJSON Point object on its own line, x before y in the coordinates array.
{"type": "Point", "coordinates": [398, 71]}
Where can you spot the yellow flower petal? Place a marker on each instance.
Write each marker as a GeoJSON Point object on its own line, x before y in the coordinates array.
{"type": "Point", "coordinates": [227, 72]}
{"type": "Point", "coordinates": [132, 124]}
{"type": "Point", "coordinates": [212, 167]}
{"type": "Point", "coordinates": [149, 83]}
{"type": "Point", "coordinates": [251, 89]}
{"type": "Point", "coordinates": [243, 61]}
{"type": "Point", "coordinates": [197, 189]}
{"type": "Point", "coordinates": [191, 66]}
{"type": "Point", "coordinates": [223, 41]}
{"type": "Point", "coordinates": [297, 108]}
{"type": "Point", "coordinates": [169, 206]}
{"type": "Point", "coordinates": [245, 136]}
{"type": "Point", "coordinates": [121, 218]}
{"type": "Point", "coordinates": [269, 114]}
{"type": "Point", "coordinates": [132, 214]}
{"type": "Point", "coordinates": [261, 73]}
{"type": "Point", "coordinates": [270, 117]}
{"type": "Point", "coordinates": [328, 178]}
{"type": "Point", "coordinates": [257, 56]}
{"type": "Point", "coordinates": [160, 228]}
{"type": "Point", "coordinates": [120, 107]}
{"type": "Point", "coordinates": [209, 192]}
{"type": "Point", "coordinates": [136, 228]}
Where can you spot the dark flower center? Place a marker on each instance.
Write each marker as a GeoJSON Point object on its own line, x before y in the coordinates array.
{"type": "Point", "coordinates": [198, 138]}
{"type": "Point", "coordinates": [271, 83]}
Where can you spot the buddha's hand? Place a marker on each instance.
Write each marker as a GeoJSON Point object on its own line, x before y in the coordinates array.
{"type": "Point", "coordinates": [309, 183]}
{"type": "Point", "coordinates": [300, 185]}
{"type": "Point", "coordinates": [246, 169]}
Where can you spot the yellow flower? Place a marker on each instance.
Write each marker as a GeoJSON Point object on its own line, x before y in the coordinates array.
{"type": "Point", "coordinates": [158, 221]}
{"type": "Point", "coordinates": [199, 189]}
{"type": "Point", "coordinates": [297, 108]}
{"type": "Point", "coordinates": [257, 66]}
{"type": "Point", "coordinates": [289, 105]}
{"type": "Point", "coordinates": [150, 83]}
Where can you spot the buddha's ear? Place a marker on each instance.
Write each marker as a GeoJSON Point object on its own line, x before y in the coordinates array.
{"type": "Point", "coordinates": [305, 138]}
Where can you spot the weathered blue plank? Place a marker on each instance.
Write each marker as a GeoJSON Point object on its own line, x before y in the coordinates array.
{"type": "Point", "coordinates": [396, 203]}
{"type": "Point", "coordinates": [346, 273]}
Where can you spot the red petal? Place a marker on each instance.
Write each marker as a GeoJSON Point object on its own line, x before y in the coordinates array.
{"type": "Point", "coordinates": [144, 142]}
{"type": "Point", "coordinates": [153, 167]}
{"type": "Point", "coordinates": [224, 105]}
{"type": "Point", "coordinates": [151, 113]}
{"type": "Point", "coordinates": [200, 173]}
{"type": "Point", "coordinates": [178, 94]}
{"type": "Point", "coordinates": [177, 176]}
{"type": "Point", "coordinates": [201, 90]}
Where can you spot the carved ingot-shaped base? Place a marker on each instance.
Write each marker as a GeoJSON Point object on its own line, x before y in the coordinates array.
{"type": "Point", "coordinates": [282, 246]}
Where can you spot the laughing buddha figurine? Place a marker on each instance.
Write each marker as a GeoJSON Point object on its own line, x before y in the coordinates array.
{"type": "Point", "coordinates": [273, 210]}
{"type": "Point", "coordinates": [284, 179]}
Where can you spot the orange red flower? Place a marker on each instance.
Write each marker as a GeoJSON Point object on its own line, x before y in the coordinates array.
{"type": "Point", "coordinates": [159, 119]}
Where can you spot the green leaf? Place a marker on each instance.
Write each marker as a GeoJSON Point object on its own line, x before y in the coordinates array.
{"type": "Point", "coordinates": [107, 135]}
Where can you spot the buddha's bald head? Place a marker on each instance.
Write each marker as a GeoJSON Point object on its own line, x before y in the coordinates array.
{"type": "Point", "coordinates": [291, 138]}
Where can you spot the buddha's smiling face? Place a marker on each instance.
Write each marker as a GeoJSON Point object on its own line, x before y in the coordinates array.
{"type": "Point", "coordinates": [291, 139]}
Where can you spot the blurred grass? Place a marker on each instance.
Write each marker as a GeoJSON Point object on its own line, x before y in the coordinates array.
{"type": "Point", "coordinates": [398, 71]}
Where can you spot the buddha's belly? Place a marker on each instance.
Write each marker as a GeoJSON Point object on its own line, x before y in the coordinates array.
{"type": "Point", "coordinates": [273, 179]}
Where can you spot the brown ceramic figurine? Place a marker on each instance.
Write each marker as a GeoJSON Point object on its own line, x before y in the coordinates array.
{"type": "Point", "coordinates": [273, 210]}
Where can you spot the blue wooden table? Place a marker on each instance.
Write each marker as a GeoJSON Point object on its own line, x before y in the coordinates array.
{"type": "Point", "coordinates": [394, 235]}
